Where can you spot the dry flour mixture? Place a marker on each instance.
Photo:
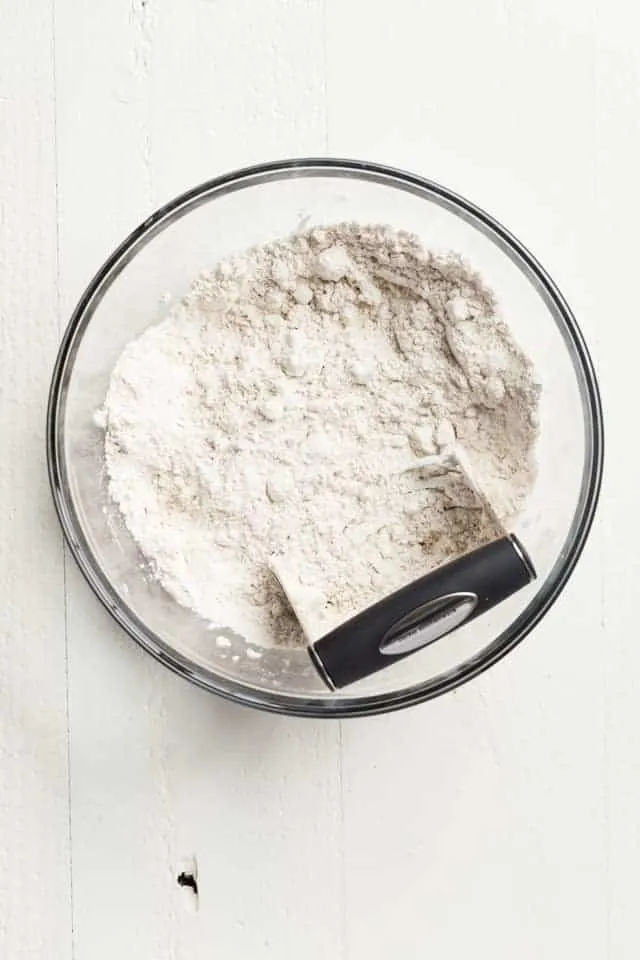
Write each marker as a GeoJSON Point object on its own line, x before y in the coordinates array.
{"type": "Point", "coordinates": [274, 411]}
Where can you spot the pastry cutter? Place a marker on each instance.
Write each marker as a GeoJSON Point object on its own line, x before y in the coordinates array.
{"type": "Point", "coordinates": [424, 610]}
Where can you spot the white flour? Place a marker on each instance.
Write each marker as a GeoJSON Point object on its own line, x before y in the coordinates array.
{"type": "Point", "coordinates": [274, 410]}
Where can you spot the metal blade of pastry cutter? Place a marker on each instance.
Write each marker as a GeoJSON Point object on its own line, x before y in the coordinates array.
{"type": "Point", "coordinates": [293, 591]}
{"type": "Point", "coordinates": [455, 461]}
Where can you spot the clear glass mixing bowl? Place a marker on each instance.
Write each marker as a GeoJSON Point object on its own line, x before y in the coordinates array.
{"type": "Point", "coordinates": [263, 203]}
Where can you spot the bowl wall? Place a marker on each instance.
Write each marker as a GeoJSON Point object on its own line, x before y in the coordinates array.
{"type": "Point", "coordinates": [156, 266]}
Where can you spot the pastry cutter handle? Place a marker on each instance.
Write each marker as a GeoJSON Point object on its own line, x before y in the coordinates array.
{"type": "Point", "coordinates": [422, 612]}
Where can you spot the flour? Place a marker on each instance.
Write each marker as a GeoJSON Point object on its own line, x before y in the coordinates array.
{"type": "Point", "coordinates": [276, 408]}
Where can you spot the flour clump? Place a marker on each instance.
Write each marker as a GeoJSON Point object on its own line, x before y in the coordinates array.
{"type": "Point", "coordinates": [276, 409]}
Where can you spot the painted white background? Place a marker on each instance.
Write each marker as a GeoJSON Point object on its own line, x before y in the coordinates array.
{"type": "Point", "coordinates": [502, 821]}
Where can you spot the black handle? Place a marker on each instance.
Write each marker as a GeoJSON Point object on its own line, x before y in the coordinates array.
{"type": "Point", "coordinates": [422, 612]}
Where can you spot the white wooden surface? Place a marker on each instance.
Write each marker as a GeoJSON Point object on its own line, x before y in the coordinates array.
{"type": "Point", "coordinates": [502, 820]}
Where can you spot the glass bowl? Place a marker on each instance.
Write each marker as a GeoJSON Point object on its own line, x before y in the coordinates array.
{"type": "Point", "coordinates": [263, 203]}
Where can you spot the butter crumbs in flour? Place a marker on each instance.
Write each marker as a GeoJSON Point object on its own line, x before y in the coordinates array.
{"type": "Point", "coordinates": [275, 408]}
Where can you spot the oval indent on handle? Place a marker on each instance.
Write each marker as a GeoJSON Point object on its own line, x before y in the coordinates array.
{"type": "Point", "coordinates": [428, 622]}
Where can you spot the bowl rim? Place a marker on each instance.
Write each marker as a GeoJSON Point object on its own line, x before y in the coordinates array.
{"type": "Point", "coordinates": [293, 704]}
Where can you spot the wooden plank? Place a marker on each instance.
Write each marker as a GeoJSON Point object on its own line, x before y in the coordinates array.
{"type": "Point", "coordinates": [34, 811]}
{"type": "Point", "coordinates": [163, 774]}
{"type": "Point", "coordinates": [486, 825]}
{"type": "Point", "coordinates": [617, 208]}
